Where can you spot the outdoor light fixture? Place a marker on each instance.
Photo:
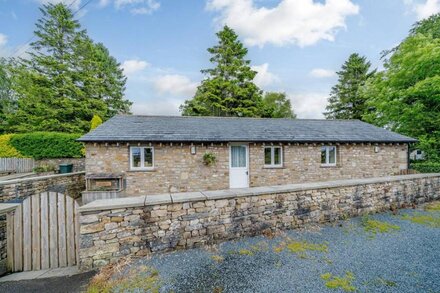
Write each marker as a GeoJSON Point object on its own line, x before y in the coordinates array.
{"type": "Point", "coordinates": [193, 150]}
{"type": "Point", "coordinates": [376, 149]}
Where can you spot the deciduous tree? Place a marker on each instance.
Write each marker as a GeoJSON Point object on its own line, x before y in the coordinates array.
{"type": "Point", "coordinates": [405, 96]}
{"type": "Point", "coordinates": [277, 105]}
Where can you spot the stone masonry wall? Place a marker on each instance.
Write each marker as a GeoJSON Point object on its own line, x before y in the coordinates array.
{"type": "Point", "coordinates": [176, 170]}
{"type": "Point", "coordinates": [19, 189]}
{"type": "Point", "coordinates": [111, 229]}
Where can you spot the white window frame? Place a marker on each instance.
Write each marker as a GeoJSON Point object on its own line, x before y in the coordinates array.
{"type": "Point", "coordinates": [327, 155]}
{"type": "Point", "coordinates": [142, 167]}
{"type": "Point", "coordinates": [272, 157]}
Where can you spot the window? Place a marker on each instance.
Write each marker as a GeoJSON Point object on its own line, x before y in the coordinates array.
{"type": "Point", "coordinates": [328, 156]}
{"type": "Point", "coordinates": [141, 158]}
{"type": "Point", "coordinates": [238, 156]}
{"type": "Point", "coordinates": [273, 156]}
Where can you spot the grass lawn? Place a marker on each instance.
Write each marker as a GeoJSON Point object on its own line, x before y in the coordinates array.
{"type": "Point", "coordinates": [377, 253]}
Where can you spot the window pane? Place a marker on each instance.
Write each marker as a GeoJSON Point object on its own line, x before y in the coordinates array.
{"type": "Point", "coordinates": [238, 156]}
{"type": "Point", "coordinates": [136, 157]}
{"type": "Point", "coordinates": [323, 155]}
{"type": "Point", "coordinates": [277, 156]}
{"type": "Point", "coordinates": [148, 157]}
{"type": "Point", "coordinates": [267, 156]}
{"type": "Point", "coordinates": [332, 155]}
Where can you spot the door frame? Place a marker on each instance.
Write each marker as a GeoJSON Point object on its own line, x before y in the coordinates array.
{"type": "Point", "coordinates": [246, 144]}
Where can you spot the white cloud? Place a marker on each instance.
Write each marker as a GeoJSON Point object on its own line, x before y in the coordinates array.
{"type": "Point", "coordinates": [322, 73]}
{"type": "Point", "coordinates": [309, 105]}
{"type": "Point", "coordinates": [264, 77]}
{"type": "Point", "coordinates": [301, 22]}
{"type": "Point", "coordinates": [133, 66]}
{"type": "Point", "coordinates": [137, 6]}
{"type": "Point", "coordinates": [158, 106]}
{"type": "Point", "coordinates": [103, 3]}
{"type": "Point", "coordinates": [175, 84]}
{"type": "Point", "coordinates": [3, 40]}
{"type": "Point", "coordinates": [425, 8]}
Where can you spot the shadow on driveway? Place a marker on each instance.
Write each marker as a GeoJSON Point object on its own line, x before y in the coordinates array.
{"type": "Point", "coordinates": [75, 283]}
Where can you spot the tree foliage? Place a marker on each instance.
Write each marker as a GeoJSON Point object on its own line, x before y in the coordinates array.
{"type": "Point", "coordinates": [277, 105]}
{"type": "Point", "coordinates": [405, 97]}
{"type": "Point", "coordinates": [7, 101]}
{"type": "Point", "coordinates": [228, 89]}
{"type": "Point", "coordinates": [345, 102]}
{"type": "Point", "coordinates": [66, 79]}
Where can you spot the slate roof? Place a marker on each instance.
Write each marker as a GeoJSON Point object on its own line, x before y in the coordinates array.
{"type": "Point", "coordinates": [127, 128]}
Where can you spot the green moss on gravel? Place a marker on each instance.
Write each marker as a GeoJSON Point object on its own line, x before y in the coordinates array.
{"type": "Point", "coordinates": [343, 283]}
{"type": "Point", "coordinates": [424, 219]}
{"type": "Point", "coordinates": [375, 226]}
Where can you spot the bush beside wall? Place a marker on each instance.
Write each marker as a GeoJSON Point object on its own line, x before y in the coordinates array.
{"type": "Point", "coordinates": [41, 145]}
{"type": "Point", "coordinates": [6, 149]}
{"type": "Point", "coordinates": [426, 167]}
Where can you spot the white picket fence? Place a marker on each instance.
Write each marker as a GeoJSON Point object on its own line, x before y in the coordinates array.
{"type": "Point", "coordinates": [16, 165]}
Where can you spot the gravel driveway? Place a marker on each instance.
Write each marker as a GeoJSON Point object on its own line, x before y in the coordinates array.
{"type": "Point", "coordinates": [341, 257]}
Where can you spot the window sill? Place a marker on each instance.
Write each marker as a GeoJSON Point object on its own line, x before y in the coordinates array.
{"type": "Point", "coordinates": [274, 167]}
{"type": "Point", "coordinates": [329, 166]}
{"type": "Point", "coordinates": [142, 170]}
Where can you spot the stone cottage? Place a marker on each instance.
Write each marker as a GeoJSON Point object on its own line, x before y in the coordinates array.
{"type": "Point", "coordinates": [139, 155]}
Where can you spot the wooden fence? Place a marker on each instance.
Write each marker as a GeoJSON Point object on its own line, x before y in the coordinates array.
{"type": "Point", "coordinates": [43, 233]}
{"type": "Point", "coordinates": [16, 165]}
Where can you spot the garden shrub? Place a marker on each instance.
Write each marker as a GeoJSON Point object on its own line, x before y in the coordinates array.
{"type": "Point", "coordinates": [426, 167]}
{"type": "Point", "coordinates": [6, 149]}
{"type": "Point", "coordinates": [48, 145]}
{"type": "Point", "coordinates": [95, 122]}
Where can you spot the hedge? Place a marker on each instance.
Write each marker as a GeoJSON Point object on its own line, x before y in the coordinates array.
{"type": "Point", "coordinates": [426, 167]}
{"type": "Point", "coordinates": [47, 145]}
{"type": "Point", "coordinates": [6, 149]}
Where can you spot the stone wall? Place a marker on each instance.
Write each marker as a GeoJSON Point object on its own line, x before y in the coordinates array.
{"type": "Point", "coordinates": [19, 189]}
{"type": "Point", "coordinates": [111, 229]}
{"type": "Point", "coordinates": [79, 164]}
{"type": "Point", "coordinates": [177, 170]}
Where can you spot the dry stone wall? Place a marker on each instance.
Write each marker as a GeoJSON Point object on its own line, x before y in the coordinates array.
{"type": "Point", "coordinates": [18, 189]}
{"type": "Point", "coordinates": [137, 226]}
{"type": "Point", "coordinates": [177, 170]}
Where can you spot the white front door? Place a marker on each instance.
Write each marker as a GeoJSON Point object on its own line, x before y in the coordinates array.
{"type": "Point", "coordinates": [238, 165]}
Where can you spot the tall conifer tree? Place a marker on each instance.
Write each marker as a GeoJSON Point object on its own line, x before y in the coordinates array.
{"type": "Point", "coordinates": [228, 89]}
{"type": "Point", "coordinates": [66, 79]}
{"type": "Point", "coordinates": [345, 102]}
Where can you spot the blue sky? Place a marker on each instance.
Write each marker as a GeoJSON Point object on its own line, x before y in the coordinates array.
{"type": "Point", "coordinates": [295, 45]}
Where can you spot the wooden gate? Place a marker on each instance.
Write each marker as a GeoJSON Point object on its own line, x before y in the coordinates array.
{"type": "Point", "coordinates": [43, 233]}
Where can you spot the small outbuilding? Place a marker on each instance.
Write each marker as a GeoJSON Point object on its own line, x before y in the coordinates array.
{"type": "Point", "coordinates": [139, 155]}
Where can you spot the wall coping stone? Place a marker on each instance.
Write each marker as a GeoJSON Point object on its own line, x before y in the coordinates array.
{"type": "Point", "coordinates": [149, 200]}
{"type": "Point", "coordinates": [155, 199]}
{"type": "Point", "coordinates": [187, 196]}
{"type": "Point", "coordinates": [114, 203]}
{"type": "Point", "coordinates": [38, 178]}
